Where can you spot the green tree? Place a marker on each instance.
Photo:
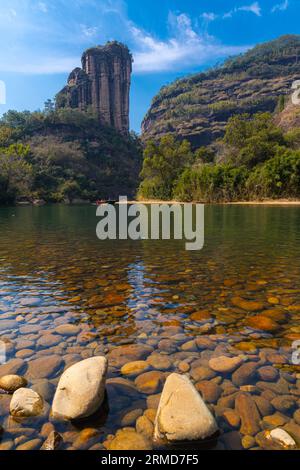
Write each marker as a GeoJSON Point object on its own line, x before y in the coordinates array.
{"type": "Point", "coordinates": [163, 164]}
{"type": "Point", "coordinates": [15, 172]}
{"type": "Point", "coordinates": [252, 139]}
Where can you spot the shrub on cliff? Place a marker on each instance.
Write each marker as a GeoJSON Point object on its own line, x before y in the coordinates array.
{"type": "Point", "coordinates": [252, 139]}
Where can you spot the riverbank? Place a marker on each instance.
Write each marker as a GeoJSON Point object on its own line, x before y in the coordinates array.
{"type": "Point", "coordinates": [276, 202]}
{"type": "Point", "coordinates": [267, 202]}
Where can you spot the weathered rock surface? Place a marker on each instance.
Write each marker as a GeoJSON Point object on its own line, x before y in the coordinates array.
{"type": "Point", "coordinates": [11, 383]}
{"type": "Point", "coordinates": [52, 442]}
{"type": "Point", "coordinates": [26, 402]}
{"type": "Point", "coordinates": [102, 83]}
{"type": "Point", "coordinates": [182, 414]}
{"type": "Point", "coordinates": [81, 389]}
{"type": "Point", "coordinates": [197, 108]}
{"type": "Point", "coordinates": [281, 436]}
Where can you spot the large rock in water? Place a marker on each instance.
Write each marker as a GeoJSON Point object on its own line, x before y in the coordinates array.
{"type": "Point", "coordinates": [81, 388]}
{"type": "Point", "coordinates": [182, 415]}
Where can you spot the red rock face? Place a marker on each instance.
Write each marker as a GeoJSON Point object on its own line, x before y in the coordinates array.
{"type": "Point", "coordinates": [103, 84]}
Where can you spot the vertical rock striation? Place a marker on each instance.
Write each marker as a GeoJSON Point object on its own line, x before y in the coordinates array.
{"type": "Point", "coordinates": [102, 84]}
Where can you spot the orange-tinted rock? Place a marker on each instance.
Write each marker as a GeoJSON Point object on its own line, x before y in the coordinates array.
{"type": "Point", "coordinates": [259, 322]}
{"type": "Point", "coordinates": [248, 305]}
{"type": "Point", "coordinates": [232, 418]}
{"type": "Point", "coordinates": [150, 382]}
{"type": "Point", "coordinates": [200, 315]}
{"type": "Point", "coordinates": [246, 408]}
{"type": "Point", "coordinates": [275, 314]}
{"type": "Point", "coordinates": [209, 391]}
{"type": "Point", "coordinates": [128, 353]}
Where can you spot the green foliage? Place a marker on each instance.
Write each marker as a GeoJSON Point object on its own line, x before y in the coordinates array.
{"type": "Point", "coordinates": [15, 172]}
{"type": "Point", "coordinates": [252, 139]}
{"type": "Point", "coordinates": [278, 177]}
{"type": "Point", "coordinates": [204, 155]}
{"type": "Point", "coordinates": [211, 183]}
{"type": "Point", "coordinates": [70, 156]}
{"type": "Point", "coordinates": [255, 160]}
{"type": "Point", "coordinates": [163, 164]}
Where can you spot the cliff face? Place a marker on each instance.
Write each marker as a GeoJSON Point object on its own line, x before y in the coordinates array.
{"type": "Point", "coordinates": [198, 107]}
{"type": "Point", "coordinates": [103, 83]}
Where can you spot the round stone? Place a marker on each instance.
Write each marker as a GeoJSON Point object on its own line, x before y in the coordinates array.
{"type": "Point", "coordinates": [150, 382]}
{"type": "Point", "coordinates": [225, 364]}
{"type": "Point", "coordinates": [128, 439]}
{"type": "Point", "coordinates": [11, 383]}
{"type": "Point", "coordinates": [67, 329]}
{"type": "Point", "coordinates": [26, 402]}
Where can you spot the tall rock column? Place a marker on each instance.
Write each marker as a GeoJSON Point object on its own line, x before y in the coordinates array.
{"type": "Point", "coordinates": [103, 84]}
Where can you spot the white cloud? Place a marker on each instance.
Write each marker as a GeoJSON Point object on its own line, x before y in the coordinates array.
{"type": "Point", "coordinates": [253, 8]}
{"type": "Point", "coordinates": [209, 16]}
{"type": "Point", "coordinates": [184, 48]}
{"type": "Point", "coordinates": [280, 6]}
{"type": "Point", "coordinates": [52, 43]}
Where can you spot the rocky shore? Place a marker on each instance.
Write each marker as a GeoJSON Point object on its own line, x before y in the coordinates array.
{"type": "Point", "coordinates": [169, 391]}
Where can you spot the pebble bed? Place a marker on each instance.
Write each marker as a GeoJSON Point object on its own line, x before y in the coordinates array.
{"type": "Point", "coordinates": [226, 317]}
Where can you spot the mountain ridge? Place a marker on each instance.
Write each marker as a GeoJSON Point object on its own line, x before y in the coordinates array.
{"type": "Point", "coordinates": [198, 107]}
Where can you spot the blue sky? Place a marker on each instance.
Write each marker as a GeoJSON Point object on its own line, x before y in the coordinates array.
{"type": "Point", "coordinates": [42, 40]}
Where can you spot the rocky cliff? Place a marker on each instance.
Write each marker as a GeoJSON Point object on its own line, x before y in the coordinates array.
{"type": "Point", "coordinates": [103, 84]}
{"type": "Point", "coordinates": [198, 107]}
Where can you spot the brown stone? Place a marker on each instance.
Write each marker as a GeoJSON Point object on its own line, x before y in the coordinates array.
{"type": "Point", "coordinates": [225, 364]}
{"type": "Point", "coordinates": [268, 373]}
{"type": "Point", "coordinates": [134, 368]}
{"type": "Point", "coordinates": [248, 305]}
{"type": "Point", "coordinates": [246, 408]}
{"type": "Point", "coordinates": [52, 442]}
{"type": "Point", "coordinates": [209, 391]}
{"type": "Point", "coordinates": [120, 355]}
{"type": "Point", "coordinates": [275, 420]}
{"type": "Point", "coordinates": [150, 382]}
{"type": "Point", "coordinates": [200, 315]}
{"type": "Point", "coordinates": [263, 405]}
{"type": "Point", "coordinates": [145, 427]}
{"type": "Point", "coordinates": [130, 418]}
{"type": "Point", "coordinates": [244, 374]}
{"type": "Point", "coordinates": [13, 367]}
{"type": "Point", "coordinates": [232, 418]}
{"type": "Point", "coordinates": [128, 439]}
{"type": "Point", "coordinates": [30, 445]}
{"type": "Point", "coordinates": [259, 322]}
{"type": "Point", "coordinates": [44, 367]}
{"type": "Point", "coordinates": [159, 361]}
